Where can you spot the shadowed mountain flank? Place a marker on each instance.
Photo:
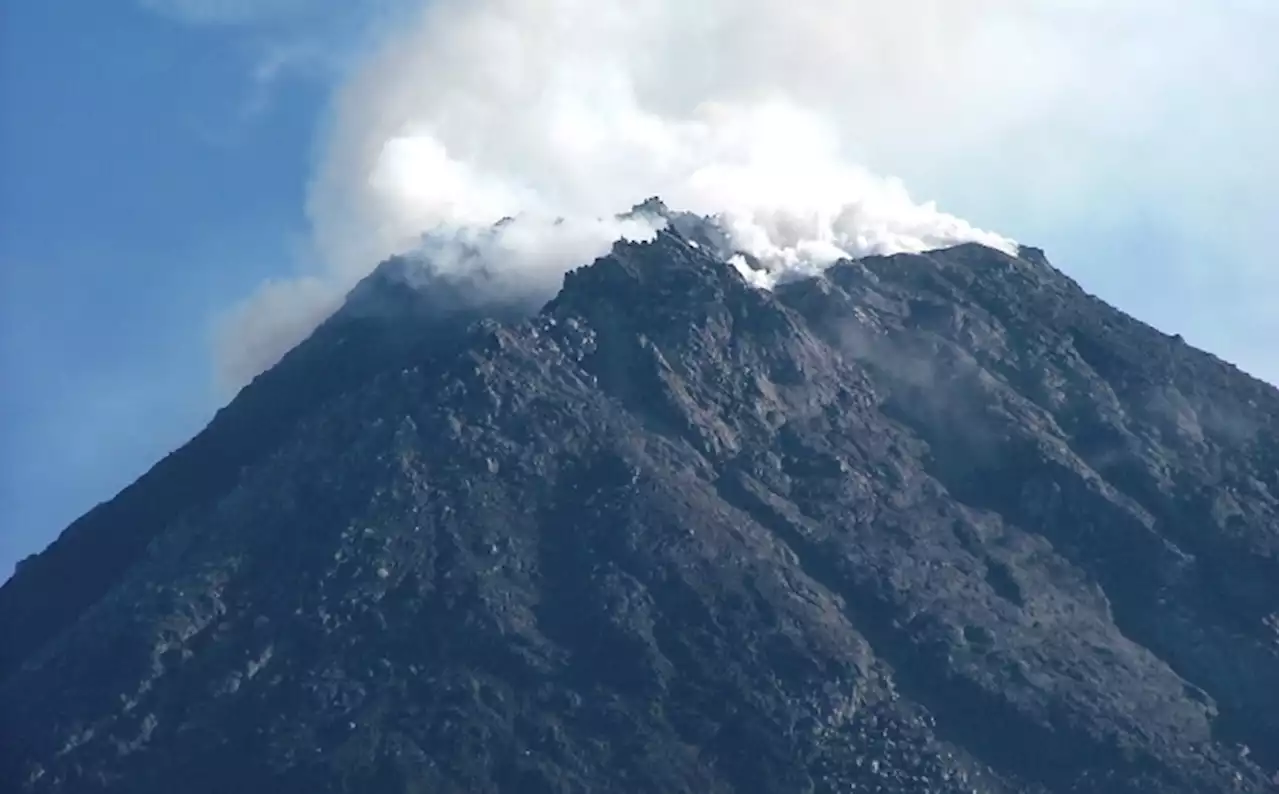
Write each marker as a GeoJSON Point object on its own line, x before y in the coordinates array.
{"type": "Point", "coordinates": [935, 522]}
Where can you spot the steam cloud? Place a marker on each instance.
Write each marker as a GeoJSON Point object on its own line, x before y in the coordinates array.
{"type": "Point", "coordinates": [576, 109]}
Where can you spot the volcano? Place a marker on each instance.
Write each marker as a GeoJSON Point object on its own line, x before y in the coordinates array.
{"type": "Point", "coordinates": [938, 522]}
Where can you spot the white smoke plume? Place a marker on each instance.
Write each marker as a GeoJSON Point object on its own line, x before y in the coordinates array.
{"type": "Point", "coordinates": [578, 109]}
{"type": "Point", "coordinates": [753, 110]}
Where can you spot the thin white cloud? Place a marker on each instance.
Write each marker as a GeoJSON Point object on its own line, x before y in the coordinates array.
{"type": "Point", "coordinates": [236, 12]}
{"type": "Point", "coordinates": [275, 63]}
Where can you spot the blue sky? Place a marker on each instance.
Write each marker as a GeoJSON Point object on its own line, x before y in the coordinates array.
{"type": "Point", "coordinates": [141, 194]}
{"type": "Point", "coordinates": [154, 169]}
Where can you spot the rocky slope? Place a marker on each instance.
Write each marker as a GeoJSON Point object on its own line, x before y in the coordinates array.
{"type": "Point", "coordinates": [931, 523]}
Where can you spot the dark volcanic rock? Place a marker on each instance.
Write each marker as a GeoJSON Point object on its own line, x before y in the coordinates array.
{"type": "Point", "coordinates": [932, 523]}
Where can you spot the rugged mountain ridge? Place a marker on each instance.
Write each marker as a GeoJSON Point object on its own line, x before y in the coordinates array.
{"type": "Point", "coordinates": [936, 522]}
{"type": "Point", "coordinates": [380, 325]}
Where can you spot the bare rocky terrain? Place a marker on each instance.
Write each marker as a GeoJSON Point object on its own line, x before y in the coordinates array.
{"type": "Point", "coordinates": [931, 523]}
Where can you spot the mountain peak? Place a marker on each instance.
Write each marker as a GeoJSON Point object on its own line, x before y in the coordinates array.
{"type": "Point", "coordinates": [662, 268]}
{"type": "Point", "coordinates": [935, 522]}
{"type": "Point", "coordinates": [653, 206]}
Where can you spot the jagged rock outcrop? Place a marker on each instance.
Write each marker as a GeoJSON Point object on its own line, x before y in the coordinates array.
{"type": "Point", "coordinates": [931, 523]}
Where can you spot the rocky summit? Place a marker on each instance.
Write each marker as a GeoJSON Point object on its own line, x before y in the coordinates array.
{"type": "Point", "coordinates": [933, 523]}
